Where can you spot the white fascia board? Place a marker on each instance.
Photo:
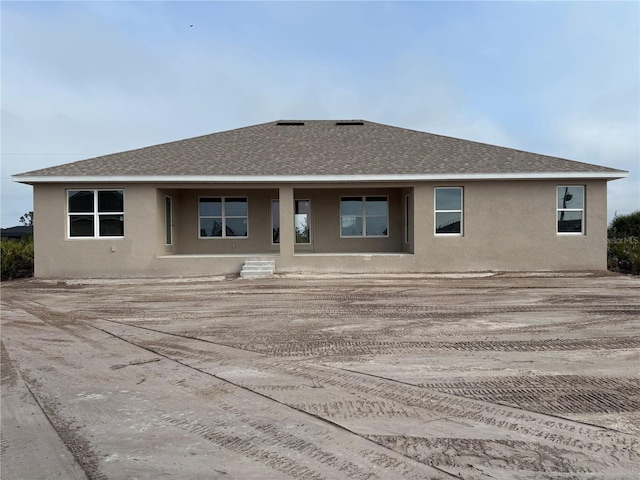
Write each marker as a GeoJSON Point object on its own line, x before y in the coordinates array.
{"type": "Point", "coordinates": [311, 178]}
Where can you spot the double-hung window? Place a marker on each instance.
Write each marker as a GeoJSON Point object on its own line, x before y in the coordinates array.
{"type": "Point", "coordinates": [364, 217]}
{"type": "Point", "coordinates": [570, 209]}
{"type": "Point", "coordinates": [95, 213]}
{"type": "Point", "coordinates": [448, 211]}
{"type": "Point", "coordinates": [221, 217]}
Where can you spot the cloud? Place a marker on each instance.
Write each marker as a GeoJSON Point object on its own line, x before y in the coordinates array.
{"type": "Point", "coordinates": [101, 77]}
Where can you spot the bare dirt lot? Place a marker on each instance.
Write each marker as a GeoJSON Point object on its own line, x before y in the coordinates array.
{"type": "Point", "coordinates": [502, 376]}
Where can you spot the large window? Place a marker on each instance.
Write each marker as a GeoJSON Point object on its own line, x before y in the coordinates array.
{"type": "Point", "coordinates": [364, 217]}
{"type": "Point", "coordinates": [95, 213]}
{"type": "Point", "coordinates": [223, 217]}
{"type": "Point", "coordinates": [448, 211]}
{"type": "Point", "coordinates": [570, 209]}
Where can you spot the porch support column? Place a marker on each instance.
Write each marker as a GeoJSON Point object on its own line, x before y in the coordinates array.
{"type": "Point", "coordinates": [422, 223]}
{"type": "Point", "coordinates": [286, 225]}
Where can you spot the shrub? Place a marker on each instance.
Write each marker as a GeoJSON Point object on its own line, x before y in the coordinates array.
{"type": "Point", "coordinates": [623, 252]}
{"type": "Point", "coordinates": [17, 258]}
{"type": "Point", "coordinates": [625, 226]}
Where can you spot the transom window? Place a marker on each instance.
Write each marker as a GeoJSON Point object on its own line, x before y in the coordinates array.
{"type": "Point", "coordinates": [221, 217]}
{"type": "Point", "coordinates": [570, 209]}
{"type": "Point", "coordinates": [448, 211]}
{"type": "Point", "coordinates": [364, 217]}
{"type": "Point", "coordinates": [95, 213]}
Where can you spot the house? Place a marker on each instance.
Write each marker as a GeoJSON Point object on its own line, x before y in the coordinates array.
{"type": "Point", "coordinates": [319, 196]}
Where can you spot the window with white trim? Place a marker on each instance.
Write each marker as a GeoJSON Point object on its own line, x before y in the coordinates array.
{"type": "Point", "coordinates": [448, 211]}
{"type": "Point", "coordinates": [223, 217]}
{"type": "Point", "coordinates": [364, 216]}
{"type": "Point", "coordinates": [570, 209]}
{"type": "Point", "coordinates": [95, 213]}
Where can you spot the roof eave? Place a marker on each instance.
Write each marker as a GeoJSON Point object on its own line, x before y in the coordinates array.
{"type": "Point", "coordinates": [33, 179]}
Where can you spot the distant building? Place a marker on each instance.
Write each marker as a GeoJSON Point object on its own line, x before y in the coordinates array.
{"type": "Point", "coordinates": [319, 196]}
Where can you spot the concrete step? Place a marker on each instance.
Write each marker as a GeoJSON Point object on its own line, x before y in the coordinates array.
{"type": "Point", "coordinates": [257, 268]}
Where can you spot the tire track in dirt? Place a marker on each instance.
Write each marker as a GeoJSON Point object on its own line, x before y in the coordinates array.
{"type": "Point", "coordinates": [315, 449]}
{"type": "Point", "coordinates": [9, 373]}
{"type": "Point", "coordinates": [515, 435]}
{"type": "Point", "coordinates": [255, 446]}
{"type": "Point", "coordinates": [325, 348]}
{"type": "Point", "coordinates": [605, 448]}
{"type": "Point", "coordinates": [79, 446]}
{"type": "Point", "coordinates": [490, 455]}
{"type": "Point", "coordinates": [556, 394]}
{"type": "Point", "coordinates": [553, 429]}
{"type": "Point", "coordinates": [218, 432]}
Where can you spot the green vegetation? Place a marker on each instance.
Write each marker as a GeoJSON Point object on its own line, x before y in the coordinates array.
{"type": "Point", "coordinates": [623, 253]}
{"type": "Point", "coordinates": [17, 257]}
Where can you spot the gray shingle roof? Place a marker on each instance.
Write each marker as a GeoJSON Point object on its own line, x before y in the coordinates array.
{"type": "Point", "coordinates": [318, 148]}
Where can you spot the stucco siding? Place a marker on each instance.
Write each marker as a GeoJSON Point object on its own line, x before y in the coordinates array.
{"type": "Point", "coordinates": [325, 218]}
{"type": "Point", "coordinates": [186, 231]}
{"type": "Point", "coordinates": [59, 256]}
{"type": "Point", "coordinates": [507, 226]}
{"type": "Point", "coordinates": [512, 226]}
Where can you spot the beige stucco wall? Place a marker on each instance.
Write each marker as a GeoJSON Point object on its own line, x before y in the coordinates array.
{"type": "Point", "coordinates": [507, 226]}
{"type": "Point", "coordinates": [187, 227]}
{"type": "Point", "coordinates": [325, 221]}
{"type": "Point", "coordinates": [56, 255]}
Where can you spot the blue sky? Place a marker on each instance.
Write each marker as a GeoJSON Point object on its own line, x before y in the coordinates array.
{"type": "Point", "coordinates": [81, 79]}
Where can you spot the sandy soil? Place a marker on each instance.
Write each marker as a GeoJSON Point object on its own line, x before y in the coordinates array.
{"type": "Point", "coordinates": [507, 376]}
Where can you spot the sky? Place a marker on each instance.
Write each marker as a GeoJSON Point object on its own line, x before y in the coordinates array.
{"type": "Point", "coordinates": [82, 79]}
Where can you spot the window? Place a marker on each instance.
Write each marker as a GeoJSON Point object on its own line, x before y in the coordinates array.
{"type": "Point", "coordinates": [407, 229]}
{"type": "Point", "coordinates": [95, 213]}
{"type": "Point", "coordinates": [168, 220]}
{"type": "Point", "coordinates": [275, 222]}
{"type": "Point", "coordinates": [223, 217]}
{"type": "Point", "coordinates": [364, 217]}
{"type": "Point", "coordinates": [448, 211]}
{"type": "Point", "coordinates": [301, 221]}
{"type": "Point", "coordinates": [570, 209]}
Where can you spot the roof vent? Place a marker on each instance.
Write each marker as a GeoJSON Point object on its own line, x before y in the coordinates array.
{"type": "Point", "coordinates": [350, 122]}
{"type": "Point", "coordinates": [296, 124]}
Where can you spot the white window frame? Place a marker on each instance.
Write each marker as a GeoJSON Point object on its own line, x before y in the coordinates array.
{"type": "Point", "coordinates": [436, 211]}
{"type": "Point", "coordinates": [224, 218]}
{"type": "Point", "coordinates": [364, 216]}
{"type": "Point", "coordinates": [95, 214]}
{"type": "Point", "coordinates": [581, 210]}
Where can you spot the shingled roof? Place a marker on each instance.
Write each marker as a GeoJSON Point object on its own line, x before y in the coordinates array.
{"type": "Point", "coordinates": [317, 149]}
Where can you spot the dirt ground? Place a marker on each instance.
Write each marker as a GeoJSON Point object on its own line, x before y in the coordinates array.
{"type": "Point", "coordinates": [495, 376]}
